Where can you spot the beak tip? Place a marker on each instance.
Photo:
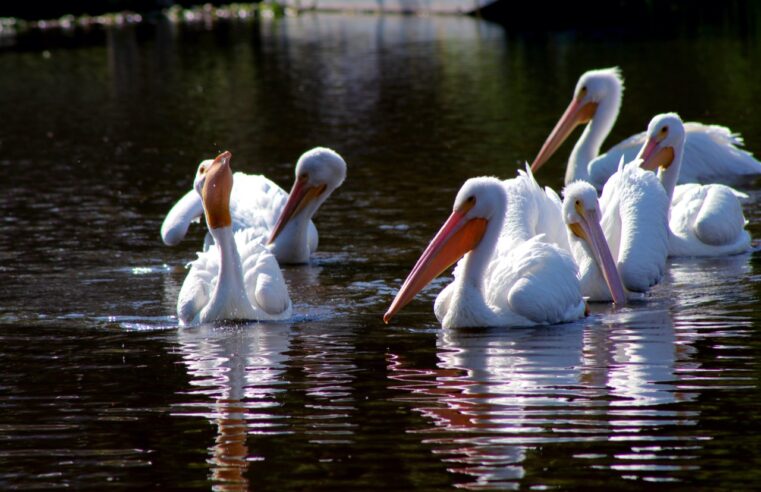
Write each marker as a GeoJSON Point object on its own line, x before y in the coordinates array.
{"type": "Point", "coordinates": [387, 317]}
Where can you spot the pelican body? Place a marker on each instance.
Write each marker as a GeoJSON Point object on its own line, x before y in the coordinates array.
{"type": "Point", "coordinates": [705, 220]}
{"type": "Point", "coordinates": [506, 276]}
{"type": "Point", "coordinates": [633, 217]}
{"type": "Point", "coordinates": [711, 152]}
{"type": "Point", "coordinates": [283, 219]}
{"type": "Point", "coordinates": [237, 278]}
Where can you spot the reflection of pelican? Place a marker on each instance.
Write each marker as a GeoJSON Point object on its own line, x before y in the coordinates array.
{"type": "Point", "coordinates": [705, 220]}
{"type": "Point", "coordinates": [501, 281]}
{"type": "Point", "coordinates": [710, 151]}
{"type": "Point", "coordinates": [640, 351]}
{"type": "Point", "coordinates": [238, 278]}
{"type": "Point", "coordinates": [260, 205]}
{"type": "Point", "coordinates": [497, 394]}
{"type": "Point", "coordinates": [241, 369]}
{"type": "Point", "coordinates": [485, 391]}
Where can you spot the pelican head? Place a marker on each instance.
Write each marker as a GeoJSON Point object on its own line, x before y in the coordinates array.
{"type": "Point", "coordinates": [597, 91]}
{"type": "Point", "coordinates": [581, 212]}
{"type": "Point", "coordinates": [216, 185]}
{"type": "Point", "coordinates": [479, 201]}
{"type": "Point", "coordinates": [665, 136]}
{"type": "Point", "coordinates": [318, 172]}
{"type": "Point", "coordinates": [663, 149]}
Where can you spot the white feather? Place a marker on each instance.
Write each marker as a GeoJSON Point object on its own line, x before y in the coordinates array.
{"type": "Point", "coordinates": [523, 280]}
{"type": "Point", "coordinates": [256, 204]}
{"type": "Point", "coordinates": [264, 297]}
{"type": "Point", "coordinates": [635, 222]}
{"type": "Point", "coordinates": [707, 220]}
{"type": "Point", "coordinates": [711, 154]}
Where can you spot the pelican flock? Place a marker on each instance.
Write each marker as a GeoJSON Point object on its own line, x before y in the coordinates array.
{"type": "Point", "coordinates": [260, 206]}
{"type": "Point", "coordinates": [633, 210]}
{"type": "Point", "coordinates": [514, 271]}
{"type": "Point", "coordinates": [710, 151]}
{"type": "Point", "coordinates": [500, 282]}
{"type": "Point", "coordinates": [236, 278]}
{"type": "Point", "coordinates": [523, 256]}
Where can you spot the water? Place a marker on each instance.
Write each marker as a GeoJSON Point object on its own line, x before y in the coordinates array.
{"type": "Point", "coordinates": [99, 387]}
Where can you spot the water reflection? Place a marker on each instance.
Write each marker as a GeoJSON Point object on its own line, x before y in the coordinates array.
{"type": "Point", "coordinates": [635, 355]}
{"type": "Point", "coordinates": [496, 394]}
{"type": "Point", "coordinates": [240, 369]}
{"type": "Point", "coordinates": [258, 382]}
{"type": "Point", "coordinates": [723, 285]}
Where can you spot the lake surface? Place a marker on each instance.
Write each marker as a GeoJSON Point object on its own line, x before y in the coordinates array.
{"type": "Point", "coordinates": [98, 387]}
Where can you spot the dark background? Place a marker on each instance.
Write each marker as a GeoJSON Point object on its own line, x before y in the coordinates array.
{"type": "Point", "coordinates": [593, 14]}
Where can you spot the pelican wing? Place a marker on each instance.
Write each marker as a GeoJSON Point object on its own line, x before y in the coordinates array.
{"type": "Point", "coordinates": [255, 203]}
{"type": "Point", "coordinates": [707, 220]}
{"type": "Point", "coordinates": [602, 167]}
{"type": "Point", "coordinates": [711, 154]}
{"type": "Point", "coordinates": [532, 210]}
{"type": "Point", "coordinates": [197, 287]}
{"type": "Point", "coordinates": [635, 221]}
{"type": "Point", "coordinates": [265, 286]}
{"type": "Point", "coordinates": [537, 281]}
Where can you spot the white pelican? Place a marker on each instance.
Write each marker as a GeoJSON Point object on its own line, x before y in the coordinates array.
{"type": "Point", "coordinates": [710, 152]}
{"type": "Point", "coordinates": [504, 279]}
{"type": "Point", "coordinates": [631, 217]}
{"type": "Point", "coordinates": [705, 220]}
{"type": "Point", "coordinates": [259, 204]}
{"type": "Point", "coordinates": [237, 278]}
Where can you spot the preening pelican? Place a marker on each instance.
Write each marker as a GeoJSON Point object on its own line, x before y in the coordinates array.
{"type": "Point", "coordinates": [710, 152]}
{"type": "Point", "coordinates": [258, 204]}
{"type": "Point", "coordinates": [237, 278]}
{"type": "Point", "coordinates": [502, 280]}
{"type": "Point", "coordinates": [631, 217]}
{"type": "Point", "coordinates": [705, 220]}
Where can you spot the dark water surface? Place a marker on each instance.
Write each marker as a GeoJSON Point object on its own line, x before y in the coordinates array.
{"type": "Point", "coordinates": [99, 387]}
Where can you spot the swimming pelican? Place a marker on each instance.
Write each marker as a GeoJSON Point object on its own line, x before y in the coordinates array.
{"type": "Point", "coordinates": [503, 279]}
{"type": "Point", "coordinates": [263, 207]}
{"type": "Point", "coordinates": [710, 152]}
{"type": "Point", "coordinates": [631, 217]}
{"type": "Point", "coordinates": [705, 220]}
{"type": "Point", "coordinates": [237, 278]}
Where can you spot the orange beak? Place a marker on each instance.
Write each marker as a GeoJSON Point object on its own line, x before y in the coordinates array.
{"type": "Point", "coordinates": [654, 156]}
{"type": "Point", "coordinates": [576, 114]}
{"type": "Point", "coordinates": [455, 238]}
{"type": "Point", "coordinates": [216, 192]}
{"type": "Point", "coordinates": [589, 229]}
{"type": "Point", "coordinates": [301, 195]}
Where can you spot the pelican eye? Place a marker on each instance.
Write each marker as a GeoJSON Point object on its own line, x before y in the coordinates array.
{"type": "Point", "coordinates": [202, 170]}
{"type": "Point", "coordinates": [665, 130]}
{"type": "Point", "coordinates": [583, 91]}
{"type": "Point", "coordinates": [578, 202]}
